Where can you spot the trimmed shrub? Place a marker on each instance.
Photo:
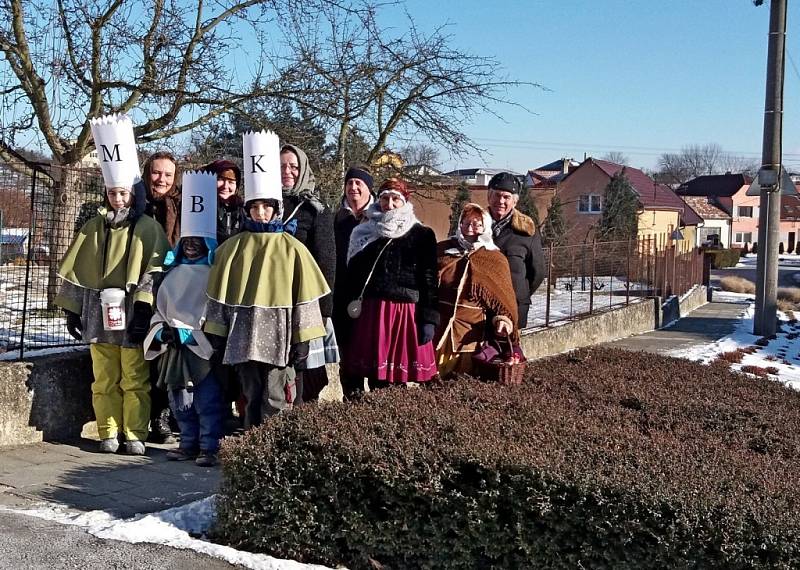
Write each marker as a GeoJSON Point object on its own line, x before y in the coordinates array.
{"type": "Point", "coordinates": [601, 459]}
{"type": "Point", "coordinates": [725, 258]}
{"type": "Point", "coordinates": [797, 248]}
{"type": "Point", "coordinates": [780, 248]}
{"type": "Point", "coordinates": [755, 248]}
{"type": "Point", "coordinates": [791, 294]}
{"type": "Point", "coordinates": [745, 249]}
{"type": "Point", "coordinates": [737, 285]}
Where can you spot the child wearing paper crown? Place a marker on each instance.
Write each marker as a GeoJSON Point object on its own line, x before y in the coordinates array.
{"type": "Point", "coordinates": [176, 338]}
{"type": "Point", "coordinates": [115, 254]}
{"type": "Point", "coordinates": [264, 291]}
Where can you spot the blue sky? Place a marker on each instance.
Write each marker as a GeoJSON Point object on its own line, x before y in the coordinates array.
{"type": "Point", "coordinates": [640, 77]}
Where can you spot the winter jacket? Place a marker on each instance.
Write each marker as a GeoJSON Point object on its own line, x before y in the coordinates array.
{"type": "Point", "coordinates": [406, 272]}
{"type": "Point", "coordinates": [229, 218]}
{"type": "Point", "coordinates": [521, 244]}
{"type": "Point", "coordinates": [315, 231]}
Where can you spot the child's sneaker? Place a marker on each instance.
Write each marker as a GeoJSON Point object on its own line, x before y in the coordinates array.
{"type": "Point", "coordinates": [181, 454]}
{"type": "Point", "coordinates": [134, 447]}
{"type": "Point", "coordinates": [109, 445]}
{"type": "Point", "coordinates": [206, 459]}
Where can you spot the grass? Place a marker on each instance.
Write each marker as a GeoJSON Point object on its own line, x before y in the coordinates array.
{"type": "Point", "coordinates": [737, 285]}
{"type": "Point", "coordinates": [791, 294]}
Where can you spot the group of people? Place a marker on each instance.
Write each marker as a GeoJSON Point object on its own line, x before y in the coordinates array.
{"type": "Point", "coordinates": [249, 304]}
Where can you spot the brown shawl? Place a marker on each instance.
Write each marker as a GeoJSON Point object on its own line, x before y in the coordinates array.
{"type": "Point", "coordinates": [487, 292]}
{"type": "Point", "coordinates": [166, 209]}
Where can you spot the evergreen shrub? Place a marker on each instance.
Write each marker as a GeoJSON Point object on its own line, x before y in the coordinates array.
{"type": "Point", "coordinates": [725, 258]}
{"type": "Point", "coordinates": [601, 459]}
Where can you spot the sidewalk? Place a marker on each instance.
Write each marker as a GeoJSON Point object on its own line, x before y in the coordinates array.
{"type": "Point", "coordinates": [77, 476]}
{"type": "Point", "coordinates": [705, 324]}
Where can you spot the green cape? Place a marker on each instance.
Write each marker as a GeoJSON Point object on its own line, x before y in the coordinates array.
{"type": "Point", "coordinates": [83, 263]}
{"type": "Point", "coordinates": [270, 270]}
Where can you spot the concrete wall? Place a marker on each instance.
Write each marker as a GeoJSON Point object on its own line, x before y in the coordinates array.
{"type": "Point", "coordinates": [47, 398]}
{"type": "Point", "coordinates": [638, 317]}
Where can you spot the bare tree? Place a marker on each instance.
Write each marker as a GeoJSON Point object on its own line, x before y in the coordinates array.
{"type": "Point", "coordinates": [616, 157]}
{"type": "Point", "coordinates": [699, 160]}
{"type": "Point", "coordinates": [398, 84]}
{"type": "Point", "coordinates": [161, 61]}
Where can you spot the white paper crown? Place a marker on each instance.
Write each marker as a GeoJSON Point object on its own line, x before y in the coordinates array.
{"type": "Point", "coordinates": [199, 205]}
{"type": "Point", "coordinates": [262, 166]}
{"type": "Point", "coordinates": [116, 150]}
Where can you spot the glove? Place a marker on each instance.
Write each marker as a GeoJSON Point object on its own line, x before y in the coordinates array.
{"type": "Point", "coordinates": [425, 333]}
{"type": "Point", "coordinates": [218, 344]}
{"type": "Point", "coordinates": [139, 201]}
{"type": "Point", "coordinates": [74, 326]}
{"type": "Point", "coordinates": [298, 353]}
{"type": "Point", "coordinates": [140, 323]}
{"type": "Point", "coordinates": [168, 336]}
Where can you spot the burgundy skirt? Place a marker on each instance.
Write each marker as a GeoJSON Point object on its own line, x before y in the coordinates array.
{"type": "Point", "coordinates": [383, 345]}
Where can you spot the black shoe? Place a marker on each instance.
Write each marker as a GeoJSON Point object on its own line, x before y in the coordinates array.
{"type": "Point", "coordinates": [160, 430]}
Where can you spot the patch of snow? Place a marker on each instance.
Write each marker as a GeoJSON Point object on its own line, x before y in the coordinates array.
{"type": "Point", "coordinates": [172, 527]}
{"type": "Point", "coordinates": [782, 353]}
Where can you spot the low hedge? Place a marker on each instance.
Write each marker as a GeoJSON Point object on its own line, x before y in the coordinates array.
{"type": "Point", "coordinates": [601, 459]}
{"type": "Point", "coordinates": [723, 258]}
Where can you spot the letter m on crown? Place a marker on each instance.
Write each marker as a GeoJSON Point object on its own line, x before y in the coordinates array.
{"type": "Point", "coordinates": [112, 155]}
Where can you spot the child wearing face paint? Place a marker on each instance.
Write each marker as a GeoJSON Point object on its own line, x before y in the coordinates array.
{"type": "Point", "coordinates": [184, 352]}
{"type": "Point", "coordinates": [106, 292]}
{"type": "Point", "coordinates": [176, 340]}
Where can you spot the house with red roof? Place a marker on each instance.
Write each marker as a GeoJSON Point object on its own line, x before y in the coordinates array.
{"type": "Point", "coordinates": [715, 221]}
{"type": "Point", "coordinates": [729, 193]}
{"type": "Point", "coordinates": [661, 211]}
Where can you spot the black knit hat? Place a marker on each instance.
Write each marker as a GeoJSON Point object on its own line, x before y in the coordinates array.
{"type": "Point", "coordinates": [360, 173]}
{"type": "Point", "coordinates": [506, 182]}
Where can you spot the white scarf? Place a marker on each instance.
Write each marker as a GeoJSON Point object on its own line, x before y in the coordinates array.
{"type": "Point", "coordinates": [484, 239]}
{"type": "Point", "coordinates": [391, 224]}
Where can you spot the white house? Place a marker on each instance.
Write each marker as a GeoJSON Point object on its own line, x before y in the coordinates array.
{"type": "Point", "coordinates": [716, 221]}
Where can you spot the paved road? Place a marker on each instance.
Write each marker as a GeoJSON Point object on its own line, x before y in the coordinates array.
{"type": "Point", "coordinates": [705, 324]}
{"type": "Point", "coordinates": [787, 270]}
{"type": "Point", "coordinates": [35, 544]}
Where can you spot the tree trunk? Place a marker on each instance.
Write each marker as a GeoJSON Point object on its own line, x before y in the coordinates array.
{"type": "Point", "coordinates": [56, 215]}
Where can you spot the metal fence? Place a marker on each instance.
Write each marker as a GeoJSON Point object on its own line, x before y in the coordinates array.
{"type": "Point", "coordinates": [584, 279]}
{"type": "Point", "coordinates": [42, 209]}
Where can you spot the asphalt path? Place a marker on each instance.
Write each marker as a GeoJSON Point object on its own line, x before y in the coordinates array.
{"type": "Point", "coordinates": [31, 543]}
{"type": "Point", "coordinates": [788, 272]}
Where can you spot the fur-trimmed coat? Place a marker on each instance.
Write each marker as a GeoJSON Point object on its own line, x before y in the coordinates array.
{"type": "Point", "coordinates": [487, 295]}
{"type": "Point", "coordinates": [521, 244]}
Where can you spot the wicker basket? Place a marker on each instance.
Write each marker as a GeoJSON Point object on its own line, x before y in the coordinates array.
{"type": "Point", "coordinates": [500, 371]}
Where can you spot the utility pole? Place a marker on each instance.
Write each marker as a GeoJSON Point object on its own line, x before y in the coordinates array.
{"type": "Point", "coordinates": [769, 177]}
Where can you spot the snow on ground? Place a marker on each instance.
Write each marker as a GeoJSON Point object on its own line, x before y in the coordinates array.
{"type": "Point", "coordinates": [175, 527]}
{"type": "Point", "coordinates": [782, 352]}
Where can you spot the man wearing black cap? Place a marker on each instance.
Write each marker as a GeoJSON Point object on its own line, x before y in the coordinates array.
{"type": "Point", "coordinates": [358, 196]}
{"type": "Point", "coordinates": [517, 237]}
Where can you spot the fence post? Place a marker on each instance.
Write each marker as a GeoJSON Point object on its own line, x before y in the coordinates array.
{"type": "Point", "coordinates": [650, 279]}
{"type": "Point", "coordinates": [31, 233]}
{"type": "Point", "coordinates": [628, 273]}
{"type": "Point", "coordinates": [591, 279]}
{"type": "Point", "coordinates": [549, 284]}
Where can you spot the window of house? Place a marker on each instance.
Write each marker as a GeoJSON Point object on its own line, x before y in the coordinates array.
{"type": "Point", "coordinates": [743, 237]}
{"type": "Point", "coordinates": [590, 203]}
{"type": "Point", "coordinates": [705, 233]}
{"type": "Point", "coordinates": [745, 211]}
